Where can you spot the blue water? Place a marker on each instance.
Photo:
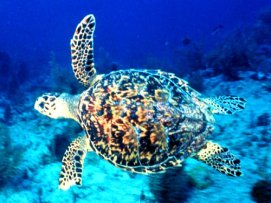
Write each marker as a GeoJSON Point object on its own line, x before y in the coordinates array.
{"type": "Point", "coordinates": [128, 30]}
{"type": "Point", "coordinates": [226, 41]}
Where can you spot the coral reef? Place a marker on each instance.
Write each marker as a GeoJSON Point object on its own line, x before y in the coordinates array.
{"type": "Point", "coordinates": [263, 120]}
{"type": "Point", "coordinates": [196, 80]}
{"type": "Point", "coordinates": [263, 27]}
{"type": "Point", "coordinates": [247, 134]}
{"type": "Point", "coordinates": [200, 176]}
{"type": "Point", "coordinates": [5, 69]}
{"type": "Point", "coordinates": [10, 159]}
{"type": "Point", "coordinates": [13, 74]}
{"type": "Point", "coordinates": [261, 191]}
{"type": "Point", "coordinates": [172, 186]}
{"type": "Point", "coordinates": [63, 138]}
{"type": "Point", "coordinates": [235, 53]}
{"type": "Point", "coordinates": [188, 58]}
{"type": "Point", "coordinates": [5, 63]}
{"type": "Point", "coordinates": [62, 82]}
{"type": "Point", "coordinates": [246, 48]}
{"type": "Point", "coordinates": [14, 78]}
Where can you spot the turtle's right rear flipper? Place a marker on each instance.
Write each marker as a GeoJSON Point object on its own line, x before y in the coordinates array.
{"type": "Point", "coordinates": [219, 158]}
{"type": "Point", "coordinates": [225, 104]}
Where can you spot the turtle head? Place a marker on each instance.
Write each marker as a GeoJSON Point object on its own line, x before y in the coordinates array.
{"type": "Point", "coordinates": [55, 105]}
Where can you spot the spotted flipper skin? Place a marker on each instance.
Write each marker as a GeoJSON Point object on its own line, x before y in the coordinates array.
{"type": "Point", "coordinates": [220, 158]}
{"type": "Point", "coordinates": [225, 104]}
{"type": "Point", "coordinates": [82, 51]}
{"type": "Point", "coordinates": [72, 163]}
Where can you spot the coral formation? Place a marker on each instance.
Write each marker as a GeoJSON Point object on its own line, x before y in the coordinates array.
{"type": "Point", "coordinates": [10, 159]}
{"type": "Point", "coordinates": [5, 67]}
{"type": "Point", "coordinates": [189, 58]}
{"type": "Point", "coordinates": [200, 177]}
{"type": "Point", "coordinates": [245, 48]}
{"type": "Point", "coordinates": [172, 186]}
{"type": "Point", "coordinates": [63, 139]}
{"type": "Point", "coordinates": [261, 191]}
{"type": "Point", "coordinates": [262, 28]}
{"type": "Point", "coordinates": [263, 120]}
{"type": "Point", "coordinates": [13, 78]}
{"type": "Point", "coordinates": [196, 80]}
{"type": "Point", "coordinates": [62, 82]}
{"type": "Point", "coordinates": [235, 53]}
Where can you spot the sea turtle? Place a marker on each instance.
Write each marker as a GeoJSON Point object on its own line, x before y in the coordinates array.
{"type": "Point", "coordinates": [143, 121]}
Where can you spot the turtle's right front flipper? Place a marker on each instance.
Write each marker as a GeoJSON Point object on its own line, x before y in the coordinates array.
{"type": "Point", "coordinates": [82, 51]}
{"type": "Point", "coordinates": [219, 158]}
{"type": "Point", "coordinates": [72, 163]}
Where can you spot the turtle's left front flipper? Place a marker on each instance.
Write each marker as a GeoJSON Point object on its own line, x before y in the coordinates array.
{"type": "Point", "coordinates": [219, 158]}
{"type": "Point", "coordinates": [73, 162]}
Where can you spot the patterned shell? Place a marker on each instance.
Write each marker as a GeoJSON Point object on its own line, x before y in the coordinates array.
{"type": "Point", "coordinates": [144, 121]}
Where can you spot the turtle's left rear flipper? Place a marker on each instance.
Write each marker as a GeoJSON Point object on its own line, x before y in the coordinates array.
{"type": "Point", "coordinates": [219, 158]}
{"type": "Point", "coordinates": [73, 162]}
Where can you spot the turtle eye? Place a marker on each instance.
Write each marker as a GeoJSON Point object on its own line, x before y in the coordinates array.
{"type": "Point", "coordinates": [41, 105]}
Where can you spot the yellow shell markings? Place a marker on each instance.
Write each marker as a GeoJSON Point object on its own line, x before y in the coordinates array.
{"type": "Point", "coordinates": [136, 119]}
{"type": "Point", "coordinates": [144, 121]}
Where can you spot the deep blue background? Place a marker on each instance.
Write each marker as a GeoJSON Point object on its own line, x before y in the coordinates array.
{"type": "Point", "coordinates": [127, 30]}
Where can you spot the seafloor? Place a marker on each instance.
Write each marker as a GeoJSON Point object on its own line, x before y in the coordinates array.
{"type": "Point", "coordinates": [32, 145]}
{"type": "Point", "coordinates": [33, 160]}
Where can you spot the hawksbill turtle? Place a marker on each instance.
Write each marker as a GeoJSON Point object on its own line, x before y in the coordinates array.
{"type": "Point", "coordinates": [143, 121]}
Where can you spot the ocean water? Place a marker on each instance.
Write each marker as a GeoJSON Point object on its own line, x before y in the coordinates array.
{"type": "Point", "coordinates": [219, 47]}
